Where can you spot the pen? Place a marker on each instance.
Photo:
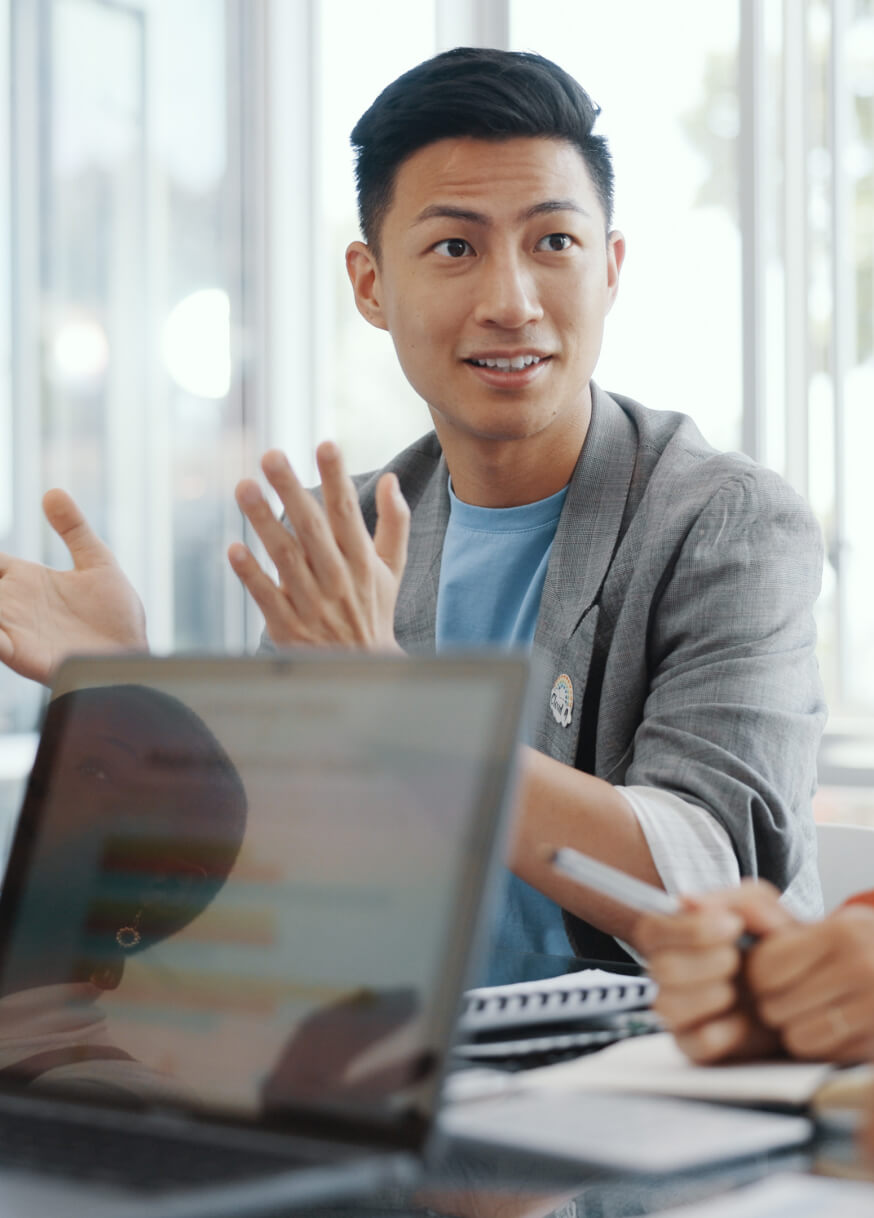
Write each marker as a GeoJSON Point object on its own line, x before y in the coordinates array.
{"type": "Point", "coordinates": [611, 882]}
{"type": "Point", "coordinates": [622, 887]}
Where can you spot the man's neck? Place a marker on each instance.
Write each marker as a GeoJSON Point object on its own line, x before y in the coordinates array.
{"type": "Point", "coordinates": [508, 473]}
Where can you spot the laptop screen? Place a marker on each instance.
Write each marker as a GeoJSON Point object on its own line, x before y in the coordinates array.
{"type": "Point", "coordinates": [247, 887]}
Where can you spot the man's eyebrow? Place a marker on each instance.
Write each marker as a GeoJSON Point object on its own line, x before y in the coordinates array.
{"type": "Point", "coordinates": [446, 211]}
{"type": "Point", "coordinates": [551, 205]}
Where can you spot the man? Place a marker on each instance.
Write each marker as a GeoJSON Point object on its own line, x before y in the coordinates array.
{"type": "Point", "coordinates": [665, 588]}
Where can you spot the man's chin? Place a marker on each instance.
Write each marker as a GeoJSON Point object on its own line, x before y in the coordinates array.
{"type": "Point", "coordinates": [504, 422]}
{"type": "Point", "coordinates": [498, 431]}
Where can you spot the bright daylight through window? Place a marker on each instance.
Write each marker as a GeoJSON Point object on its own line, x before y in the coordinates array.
{"type": "Point", "coordinates": [176, 195]}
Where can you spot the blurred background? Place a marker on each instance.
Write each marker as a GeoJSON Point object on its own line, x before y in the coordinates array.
{"type": "Point", "coordinates": [176, 194]}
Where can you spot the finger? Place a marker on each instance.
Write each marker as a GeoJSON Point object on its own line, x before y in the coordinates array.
{"type": "Point", "coordinates": [63, 514]}
{"type": "Point", "coordinates": [732, 1036]}
{"type": "Point", "coordinates": [840, 947]}
{"type": "Point", "coordinates": [283, 624]}
{"type": "Point", "coordinates": [686, 1008]}
{"type": "Point", "coordinates": [342, 507]}
{"type": "Point", "coordinates": [757, 902]}
{"type": "Point", "coordinates": [857, 1051]}
{"type": "Point", "coordinates": [787, 957]}
{"type": "Point", "coordinates": [297, 581]}
{"type": "Point", "coordinates": [691, 968]}
{"type": "Point", "coordinates": [835, 982]}
{"type": "Point", "coordinates": [310, 524]}
{"type": "Point", "coordinates": [688, 930]}
{"type": "Point", "coordinates": [834, 1031]}
{"type": "Point", "coordinates": [392, 524]}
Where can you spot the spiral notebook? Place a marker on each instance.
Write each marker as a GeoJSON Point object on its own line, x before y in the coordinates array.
{"type": "Point", "coordinates": [588, 994]}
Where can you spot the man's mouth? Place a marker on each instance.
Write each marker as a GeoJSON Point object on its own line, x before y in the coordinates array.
{"type": "Point", "coordinates": [508, 364]}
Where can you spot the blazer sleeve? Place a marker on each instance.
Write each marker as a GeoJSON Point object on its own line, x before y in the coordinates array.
{"type": "Point", "coordinates": [735, 710]}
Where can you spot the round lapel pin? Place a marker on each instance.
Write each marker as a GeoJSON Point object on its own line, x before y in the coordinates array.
{"type": "Point", "coordinates": [561, 700]}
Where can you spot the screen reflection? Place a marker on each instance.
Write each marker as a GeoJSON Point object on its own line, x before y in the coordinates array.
{"type": "Point", "coordinates": [248, 928]}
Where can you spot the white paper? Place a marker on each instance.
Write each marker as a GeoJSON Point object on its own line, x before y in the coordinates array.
{"type": "Point", "coordinates": [654, 1065]}
{"type": "Point", "coordinates": [624, 1132]}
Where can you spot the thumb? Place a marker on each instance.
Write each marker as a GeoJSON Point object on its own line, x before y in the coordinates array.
{"type": "Point", "coordinates": [63, 514]}
{"type": "Point", "coordinates": [755, 902]}
{"type": "Point", "coordinates": [758, 903]}
{"type": "Point", "coordinates": [392, 524]}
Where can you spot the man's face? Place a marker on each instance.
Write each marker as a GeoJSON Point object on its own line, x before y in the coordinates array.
{"type": "Point", "coordinates": [494, 252]}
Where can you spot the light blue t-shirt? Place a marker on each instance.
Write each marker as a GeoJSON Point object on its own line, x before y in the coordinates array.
{"type": "Point", "coordinates": [492, 574]}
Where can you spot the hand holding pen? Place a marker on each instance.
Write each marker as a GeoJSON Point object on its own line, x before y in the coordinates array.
{"type": "Point", "coordinates": [697, 949]}
{"type": "Point", "coordinates": [740, 977]}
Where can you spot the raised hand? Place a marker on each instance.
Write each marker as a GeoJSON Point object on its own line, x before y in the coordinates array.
{"type": "Point", "coordinates": [337, 585]}
{"type": "Point", "coordinates": [46, 615]}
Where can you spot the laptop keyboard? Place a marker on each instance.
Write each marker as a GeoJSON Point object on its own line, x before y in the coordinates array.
{"type": "Point", "coordinates": [142, 1161]}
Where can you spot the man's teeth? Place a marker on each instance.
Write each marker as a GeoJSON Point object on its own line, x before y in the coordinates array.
{"type": "Point", "coordinates": [515, 364]}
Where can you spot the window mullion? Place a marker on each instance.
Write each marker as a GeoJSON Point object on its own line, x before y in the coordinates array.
{"type": "Point", "coordinates": [475, 23]}
{"type": "Point", "coordinates": [25, 218]}
{"type": "Point", "coordinates": [753, 159]}
{"type": "Point", "coordinates": [842, 322]}
{"type": "Point", "coordinates": [796, 347]}
{"type": "Point", "coordinates": [292, 227]}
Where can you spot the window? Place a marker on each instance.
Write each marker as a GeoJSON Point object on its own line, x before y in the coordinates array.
{"type": "Point", "coordinates": [369, 407]}
{"type": "Point", "coordinates": [176, 187]}
{"type": "Point", "coordinates": [126, 271]}
{"type": "Point", "coordinates": [180, 179]}
{"type": "Point", "coordinates": [835, 54]}
{"type": "Point", "coordinates": [673, 340]}
{"type": "Point", "coordinates": [745, 184]}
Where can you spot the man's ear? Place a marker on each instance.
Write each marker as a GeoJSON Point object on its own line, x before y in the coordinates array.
{"type": "Point", "coordinates": [363, 271]}
{"type": "Point", "coordinates": [615, 258]}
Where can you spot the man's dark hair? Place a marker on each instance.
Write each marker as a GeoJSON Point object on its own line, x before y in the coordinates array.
{"type": "Point", "coordinates": [478, 93]}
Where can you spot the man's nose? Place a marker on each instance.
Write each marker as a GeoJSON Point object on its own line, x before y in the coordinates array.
{"type": "Point", "coordinates": [508, 297]}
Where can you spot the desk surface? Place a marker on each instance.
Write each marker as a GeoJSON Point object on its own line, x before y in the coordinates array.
{"type": "Point", "coordinates": [475, 1184]}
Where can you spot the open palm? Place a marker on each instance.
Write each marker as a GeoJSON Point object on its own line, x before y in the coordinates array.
{"type": "Point", "coordinates": [46, 615]}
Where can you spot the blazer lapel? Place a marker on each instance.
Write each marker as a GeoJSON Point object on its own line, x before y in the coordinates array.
{"type": "Point", "coordinates": [416, 609]}
{"type": "Point", "coordinates": [585, 542]}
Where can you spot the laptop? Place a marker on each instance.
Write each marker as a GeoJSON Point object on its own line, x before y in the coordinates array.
{"type": "Point", "coordinates": [240, 909]}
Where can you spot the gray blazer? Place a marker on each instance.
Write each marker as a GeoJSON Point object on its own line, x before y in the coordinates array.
{"type": "Point", "coordinates": [678, 601]}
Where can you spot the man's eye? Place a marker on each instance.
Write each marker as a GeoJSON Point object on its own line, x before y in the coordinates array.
{"type": "Point", "coordinates": [454, 247]}
{"type": "Point", "coordinates": [555, 242]}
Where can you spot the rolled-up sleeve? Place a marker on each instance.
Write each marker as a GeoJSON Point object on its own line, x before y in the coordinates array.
{"type": "Point", "coordinates": [735, 709]}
